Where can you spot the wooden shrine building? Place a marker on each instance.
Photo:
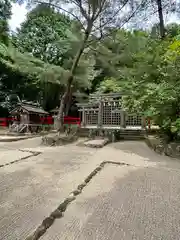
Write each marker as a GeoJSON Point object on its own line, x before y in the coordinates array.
{"type": "Point", "coordinates": [27, 117]}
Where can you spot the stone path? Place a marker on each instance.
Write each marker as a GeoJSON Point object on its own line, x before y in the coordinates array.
{"type": "Point", "coordinates": [11, 156]}
{"type": "Point", "coordinates": [123, 203]}
{"type": "Point", "coordinates": [9, 138]}
{"type": "Point", "coordinates": [137, 200]}
{"type": "Point", "coordinates": [32, 189]}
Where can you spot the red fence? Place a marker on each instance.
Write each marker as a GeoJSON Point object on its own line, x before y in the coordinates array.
{"type": "Point", "coordinates": [4, 122]}
{"type": "Point", "coordinates": [72, 120]}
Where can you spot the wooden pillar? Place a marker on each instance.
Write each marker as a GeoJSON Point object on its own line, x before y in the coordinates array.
{"type": "Point", "coordinates": [123, 119]}
{"type": "Point", "coordinates": [113, 137]}
{"type": "Point", "coordinates": [100, 112]}
{"type": "Point", "coordinates": [83, 117]}
{"type": "Point", "coordinates": [143, 122]}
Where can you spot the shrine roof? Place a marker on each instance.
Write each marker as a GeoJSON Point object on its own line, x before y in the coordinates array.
{"type": "Point", "coordinates": [29, 109]}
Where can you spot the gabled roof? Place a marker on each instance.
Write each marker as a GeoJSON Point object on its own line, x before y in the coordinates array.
{"type": "Point", "coordinates": [29, 109]}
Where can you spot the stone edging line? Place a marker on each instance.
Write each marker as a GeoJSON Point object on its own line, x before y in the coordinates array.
{"type": "Point", "coordinates": [20, 159]}
{"type": "Point", "coordinates": [33, 152]}
{"type": "Point", "coordinates": [59, 211]}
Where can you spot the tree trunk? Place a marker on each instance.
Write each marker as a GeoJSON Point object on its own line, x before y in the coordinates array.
{"type": "Point", "coordinates": [161, 19]}
{"type": "Point", "coordinates": [68, 103]}
{"type": "Point", "coordinates": [60, 116]}
{"type": "Point", "coordinates": [71, 76]}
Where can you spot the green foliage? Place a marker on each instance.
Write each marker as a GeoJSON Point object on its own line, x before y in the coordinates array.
{"type": "Point", "coordinates": [23, 74]}
{"type": "Point", "coordinates": [109, 85]}
{"type": "Point", "coordinates": [44, 34]}
{"type": "Point", "coordinates": [53, 38]}
{"type": "Point", "coordinates": [175, 127]}
{"type": "Point", "coordinates": [5, 9]}
{"type": "Point", "coordinates": [173, 30]}
{"type": "Point", "coordinates": [5, 14]}
{"type": "Point", "coordinates": [147, 71]}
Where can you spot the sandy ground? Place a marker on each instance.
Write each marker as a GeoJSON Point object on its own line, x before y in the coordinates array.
{"type": "Point", "coordinates": [138, 201]}
{"type": "Point", "coordinates": [123, 203]}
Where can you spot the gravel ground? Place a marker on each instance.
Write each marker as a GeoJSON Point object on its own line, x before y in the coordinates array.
{"type": "Point", "coordinates": [140, 201]}
{"type": "Point", "coordinates": [124, 203]}
{"type": "Point", "coordinates": [31, 189]}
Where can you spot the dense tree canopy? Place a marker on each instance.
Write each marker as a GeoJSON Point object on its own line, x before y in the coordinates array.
{"type": "Point", "coordinates": [44, 34]}
{"type": "Point", "coordinates": [44, 74]}
{"type": "Point", "coordinates": [51, 50]}
{"type": "Point", "coordinates": [5, 14]}
{"type": "Point", "coordinates": [147, 71]}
